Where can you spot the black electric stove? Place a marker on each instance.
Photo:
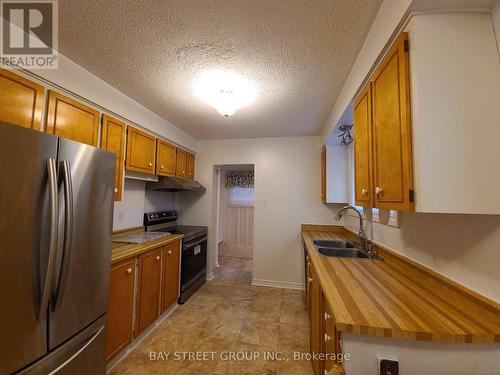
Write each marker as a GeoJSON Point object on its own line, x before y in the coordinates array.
{"type": "Point", "coordinates": [194, 249]}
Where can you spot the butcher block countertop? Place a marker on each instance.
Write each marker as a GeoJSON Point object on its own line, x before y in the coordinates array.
{"type": "Point", "coordinates": [399, 298]}
{"type": "Point", "coordinates": [123, 250]}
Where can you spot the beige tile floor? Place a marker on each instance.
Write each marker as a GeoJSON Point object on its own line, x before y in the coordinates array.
{"type": "Point", "coordinates": [228, 315]}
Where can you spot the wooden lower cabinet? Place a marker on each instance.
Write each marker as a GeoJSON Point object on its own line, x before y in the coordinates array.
{"type": "Point", "coordinates": [324, 337]}
{"type": "Point", "coordinates": [170, 276]}
{"type": "Point", "coordinates": [148, 295]}
{"type": "Point", "coordinates": [315, 308]}
{"type": "Point", "coordinates": [120, 307]}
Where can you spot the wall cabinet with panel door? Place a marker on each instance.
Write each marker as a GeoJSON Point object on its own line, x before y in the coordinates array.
{"type": "Point", "coordinates": [383, 150]}
{"type": "Point", "coordinates": [392, 153]}
{"type": "Point", "coordinates": [334, 174]}
{"type": "Point", "coordinates": [113, 140]}
{"type": "Point", "coordinates": [120, 307]}
{"type": "Point", "coordinates": [362, 109]}
{"type": "Point", "coordinates": [170, 275]}
{"type": "Point", "coordinates": [165, 158]}
{"type": "Point", "coordinates": [141, 149]}
{"type": "Point", "coordinates": [73, 120]}
{"type": "Point", "coordinates": [181, 164]}
{"type": "Point", "coordinates": [148, 291]}
{"type": "Point", "coordinates": [21, 100]}
{"type": "Point", "coordinates": [190, 166]}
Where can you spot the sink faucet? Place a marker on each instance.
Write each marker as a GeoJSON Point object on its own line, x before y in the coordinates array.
{"type": "Point", "coordinates": [361, 235]}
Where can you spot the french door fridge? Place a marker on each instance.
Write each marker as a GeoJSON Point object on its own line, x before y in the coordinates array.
{"type": "Point", "coordinates": [56, 209]}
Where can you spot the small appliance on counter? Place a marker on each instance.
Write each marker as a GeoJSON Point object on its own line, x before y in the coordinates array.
{"type": "Point", "coordinates": [194, 249]}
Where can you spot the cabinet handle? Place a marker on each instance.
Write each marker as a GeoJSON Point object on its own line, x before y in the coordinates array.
{"type": "Point", "coordinates": [129, 270]}
{"type": "Point", "coordinates": [161, 167]}
{"type": "Point", "coordinates": [116, 190]}
{"type": "Point", "coordinates": [327, 316]}
{"type": "Point", "coordinates": [364, 191]}
{"type": "Point", "coordinates": [170, 251]}
{"type": "Point", "coordinates": [328, 338]}
{"type": "Point", "coordinates": [157, 257]}
{"type": "Point", "coordinates": [150, 164]}
{"type": "Point", "coordinates": [378, 190]}
{"type": "Point", "coordinates": [310, 280]}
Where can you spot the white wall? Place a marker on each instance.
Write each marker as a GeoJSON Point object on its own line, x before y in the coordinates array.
{"type": "Point", "coordinates": [455, 100]}
{"type": "Point", "coordinates": [417, 357]}
{"type": "Point", "coordinates": [136, 201]}
{"type": "Point", "coordinates": [287, 194]}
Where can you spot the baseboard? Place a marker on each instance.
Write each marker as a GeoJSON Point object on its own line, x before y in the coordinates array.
{"type": "Point", "coordinates": [137, 341]}
{"type": "Point", "coordinates": [278, 284]}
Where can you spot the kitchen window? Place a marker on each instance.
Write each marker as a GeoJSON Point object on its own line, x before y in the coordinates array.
{"type": "Point", "coordinates": [239, 196]}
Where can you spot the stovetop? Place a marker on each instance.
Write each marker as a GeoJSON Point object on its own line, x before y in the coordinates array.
{"type": "Point", "coordinates": [166, 221]}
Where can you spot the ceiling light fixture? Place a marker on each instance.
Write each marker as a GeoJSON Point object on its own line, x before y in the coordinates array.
{"type": "Point", "coordinates": [227, 91]}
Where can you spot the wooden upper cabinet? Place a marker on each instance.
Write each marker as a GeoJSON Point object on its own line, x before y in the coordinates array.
{"type": "Point", "coordinates": [362, 148]}
{"type": "Point", "coordinates": [392, 154]}
{"type": "Point", "coordinates": [171, 266]}
{"type": "Point", "coordinates": [120, 307]}
{"type": "Point", "coordinates": [165, 159]}
{"type": "Point", "coordinates": [113, 140]}
{"type": "Point", "coordinates": [323, 174]}
{"type": "Point", "coordinates": [148, 303]}
{"type": "Point", "coordinates": [181, 164]}
{"type": "Point", "coordinates": [190, 166]}
{"type": "Point", "coordinates": [70, 119]}
{"type": "Point", "coordinates": [21, 100]}
{"type": "Point", "coordinates": [141, 148]}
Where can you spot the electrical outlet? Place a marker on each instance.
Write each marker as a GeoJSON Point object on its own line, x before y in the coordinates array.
{"type": "Point", "coordinates": [388, 365]}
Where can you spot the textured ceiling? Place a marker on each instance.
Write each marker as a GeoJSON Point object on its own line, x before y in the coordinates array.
{"type": "Point", "coordinates": [299, 53]}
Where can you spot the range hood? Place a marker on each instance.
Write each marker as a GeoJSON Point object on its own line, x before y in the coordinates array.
{"type": "Point", "coordinates": [175, 184]}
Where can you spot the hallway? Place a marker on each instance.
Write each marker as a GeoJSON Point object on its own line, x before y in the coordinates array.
{"type": "Point", "coordinates": [228, 315]}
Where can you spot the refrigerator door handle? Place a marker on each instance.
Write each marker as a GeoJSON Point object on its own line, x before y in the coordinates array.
{"type": "Point", "coordinates": [54, 219]}
{"type": "Point", "coordinates": [68, 234]}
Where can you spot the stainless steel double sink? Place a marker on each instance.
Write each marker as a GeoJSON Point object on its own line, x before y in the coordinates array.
{"type": "Point", "coordinates": [342, 249]}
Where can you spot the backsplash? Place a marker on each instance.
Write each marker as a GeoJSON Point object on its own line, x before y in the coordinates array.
{"type": "Point", "coordinates": [128, 213]}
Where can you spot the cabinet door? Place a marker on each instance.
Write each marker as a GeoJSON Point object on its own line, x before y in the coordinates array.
{"type": "Point", "coordinates": [331, 341]}
{"type": "Point", "coordinates": [190, 165]}
{"type": "Point", "coordinates": [21, 101]}
{"type": "Point", "coordinates": [148, 303]}
{"type": "Point", "coordinates": [392, 155]}
{"type": "Point", "coordinates": [323, 174]}
{"type": "Point", "coordinates": [181, 164]}
{"type": "Point", "coordinates": [113, 140]}
{"type": "Point", "coordinates": [120, 307]}
{"type": "Point", "coordinates": [171, 265]}
{"type": "Point", "coordinates": [315, 320]}
{"type": "Point", "coordinates": [362, 148]}
{"type": "Point", "coordinates": [70, 119]}
{"type": "Point", "coordinates": [165, 159]}
{"type": "Point", "coordinates": [140, 151]}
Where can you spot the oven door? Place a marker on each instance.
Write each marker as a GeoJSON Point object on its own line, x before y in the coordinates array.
{"type": "Point", "coordinates": [194, 261]}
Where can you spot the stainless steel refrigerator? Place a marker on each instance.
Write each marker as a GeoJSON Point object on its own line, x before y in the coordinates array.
{"type": "Point", "coordinates": [56, 209]}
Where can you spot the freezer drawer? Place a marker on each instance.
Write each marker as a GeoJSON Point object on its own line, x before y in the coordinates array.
{"type": "Point", "coordinates": [84, 354]}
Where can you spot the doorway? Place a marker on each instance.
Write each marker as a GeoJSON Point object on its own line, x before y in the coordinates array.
{"type": "Point", "coordinates": [234, 211]}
